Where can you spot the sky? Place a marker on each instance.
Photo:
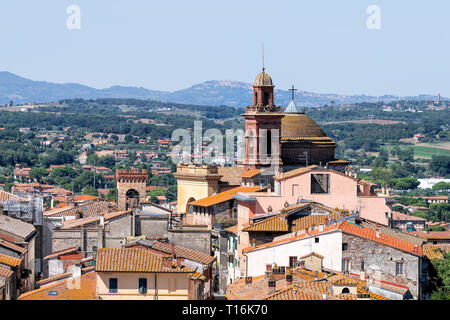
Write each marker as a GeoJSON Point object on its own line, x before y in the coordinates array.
{"type": "Point", "coordinates": [322, 46]}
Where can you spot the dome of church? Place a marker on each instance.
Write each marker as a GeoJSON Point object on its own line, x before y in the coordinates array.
{"type": "Point", "coordinates": [263, 79]}
{"type": "Point", "coordinates": [299, 125]}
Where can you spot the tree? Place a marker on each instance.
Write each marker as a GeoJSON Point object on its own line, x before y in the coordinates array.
{"type": "Point", "coordinates": [420, 214]}
{"type": "Point", "coordinates": [440, 165]}
{"type": "Point", "coordinates": [442, 266]}
{"type": "Point", "coordinates": [90, 191]}
{"type": "Point", "coordinates": [38, 173]}
{"type": "Point", "coordinates": [441, 186]}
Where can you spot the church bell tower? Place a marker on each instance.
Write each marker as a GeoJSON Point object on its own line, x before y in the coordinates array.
{"type": "Point", "coordinates": [262, 145]}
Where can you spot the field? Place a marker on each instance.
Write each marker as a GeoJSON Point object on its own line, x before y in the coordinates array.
{"type": "Point", "coordinates": [374, 121]}
{"type": "Point", "coordinates": [425, 151]}
{"type": "Point", "coordinates": [428, 152]}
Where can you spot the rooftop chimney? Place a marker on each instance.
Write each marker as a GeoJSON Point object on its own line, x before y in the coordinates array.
{"type": "Point", "coordinates": [416, 248]}
{"type": "Point", "coordinates": [288, 277]}
{"type": "Point", "coordinates": [378, 232]}
{"type": "Point", "coordinates": [321, 227]}
{"type": "Point", "coordinates": [355, 174]}
{"type": "Point", "coordinates": [272, 283]}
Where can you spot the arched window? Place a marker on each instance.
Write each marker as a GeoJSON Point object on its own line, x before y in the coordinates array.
{"type": "Point", "coordinates": [345, 290]}
{"type": "Point", "coordinates": [265, 99]}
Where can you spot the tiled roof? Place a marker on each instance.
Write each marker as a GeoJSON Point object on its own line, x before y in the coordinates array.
{"type": "Point", "coordinates": [6, 272]}
{"type": "Point", "coordinates": [132, 260]}
{"type": "Point", "coordinates": [250, 173]}
{"type": "Point", "coordinates": [9, 261]}
{"type": "Point", "coordinates": [61, 252]}
{"type": "Point", "coordinates": [294, 237]}
{"type": "Point", "coordinates": [405, 217]}
{"type": "Point", "coordinates": [294, 292]}
{"type": "Point", "coordinates": [70, 224]}
{"type": "Point", "coordinates": [84, 197]}
{"type": "Point", "coordinates": [276, 223]}
{"type": "Point", "coordinates": [389, 240]}
{"type": "Point", "coordinates": [222, 196]}
{"type": "Point", "coordinates": [230, 175]}
{"type": "Point", "coordinates": [13, 246]}
{"type": "Point", "coordinates": [82, 288]}
{"type": "Point", "coordinates": [394, 232]}
{"type": "Point", "coordinates": [434, 251]}
{"type": "Point", "coordinates": [306, 285]}
{"type": "Point", "coordinates": [279, 223]}
{"type": "Point", "coordinates": [7, 196]}
{"type": "Point", "coordinates": [90, 209]}
{"type": "Point", "coordinates": [232, 229]}
{"type": "Point", "coordinates": [312, 254]}
{"type": "Point", "coordinates": [16, 226]}
{"type": "Point", "coordinates": [54, 278]}
{"type": "Point", "coordinates": [183, 252]}
{"type": "Point", "coordinates": [432, 235]}
{"type": "Point", "coordinates": [295, 172]}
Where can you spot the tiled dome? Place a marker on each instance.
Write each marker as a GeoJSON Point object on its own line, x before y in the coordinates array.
{"type": "Point", "coordinates": [263, 79]}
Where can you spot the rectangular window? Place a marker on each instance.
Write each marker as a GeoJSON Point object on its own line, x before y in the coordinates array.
{"type": "Point", "coordinates": [142, 285]}
{"type": "Point", "coordinates": [112, 285]}
{"type": "Point", "coordinates": [316, 240]}
{"type": "Point", "coordinates": [344, 246]}
{"type": "Point", "coordinates": [345, 265]}
{"type": "Point", "coordinates": [398, 268]}
{"type": "Point", "coordinates": [292, 262]}
{"type": "Point", "coordinates": [362, 265]}
{"type": "Point", "coordinates": [320, 183]}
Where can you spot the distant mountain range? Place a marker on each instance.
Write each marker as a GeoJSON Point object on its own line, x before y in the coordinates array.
{"type": "Point", "coordinates": [230, 93]}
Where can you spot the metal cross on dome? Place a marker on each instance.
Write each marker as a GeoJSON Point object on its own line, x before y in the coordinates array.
{"type": "Point", "coordinates": [292, 91]}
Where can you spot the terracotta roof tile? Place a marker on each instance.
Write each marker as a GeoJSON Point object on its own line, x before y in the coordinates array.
{"type": "Point", "coordinates": [183, 252]}
{"type": "Point", "coordinates": [6, 272]}
{"type": "Point", "coordinates": [389, 240]}
{"type": "Point", "coordinates": [10, 261]}
{"type": "Point", "coordinates": [13, 246]}
{"type": "Point", "coordinates": [250, 173]}
{"type": "Point", "coordinates": [82, 288]}
{"type": "Point", "coordinates": [230, 175]}
{"type": "Point", "coordinates": [61, 252]}
{"type": "Point", "coordinates": [434, 251]}
{"type": "Point", "coordinates": [132, 260]}
{"type": "Point", "coordinates": [222, 196]}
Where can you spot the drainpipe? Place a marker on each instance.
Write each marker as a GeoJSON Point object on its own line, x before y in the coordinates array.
{"type": "Point", "coordinates": [246, 263]}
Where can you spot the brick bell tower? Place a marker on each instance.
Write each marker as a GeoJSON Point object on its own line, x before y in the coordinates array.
{"type": "Point", "coordinates": [260, 151]}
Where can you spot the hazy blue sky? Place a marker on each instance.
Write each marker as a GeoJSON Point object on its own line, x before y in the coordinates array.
{"type": "Point", "coordinates": [322, 46]}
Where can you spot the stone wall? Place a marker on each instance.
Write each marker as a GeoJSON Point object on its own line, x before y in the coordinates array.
{"type": "Point", "coordinates": [198, 240]}
{"type": "Point", "coordinates": [380, 262]}
{"type": "Point", "coordinates": [152, 226]}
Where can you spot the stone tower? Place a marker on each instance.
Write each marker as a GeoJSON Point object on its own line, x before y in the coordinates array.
{"type": "Point", "coordinates": [130, 188]}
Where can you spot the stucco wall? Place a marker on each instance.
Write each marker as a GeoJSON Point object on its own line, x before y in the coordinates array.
{"type": "Point", "coordinates": [128, 286]}
{"type": "Point", "coordinates": [329, 246]}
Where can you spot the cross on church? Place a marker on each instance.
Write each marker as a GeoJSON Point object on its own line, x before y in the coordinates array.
{"type": "Point", "coordinates": [292, 91]}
